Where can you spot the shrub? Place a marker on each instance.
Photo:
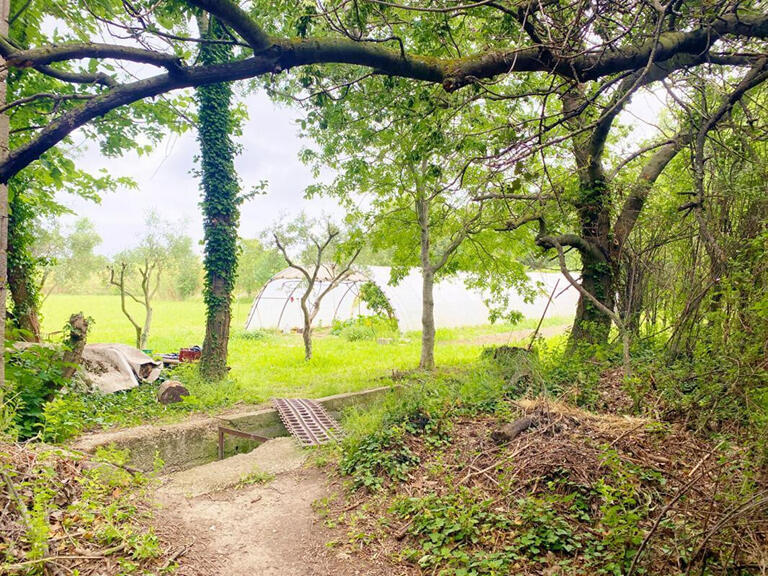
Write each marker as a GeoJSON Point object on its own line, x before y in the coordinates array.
{"type": "Point", "coordinates": [365, 328]}
{"type": "Point", "coordinates": [34, 375]}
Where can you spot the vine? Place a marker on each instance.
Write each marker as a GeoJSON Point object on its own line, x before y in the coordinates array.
{"type": "Point", "coordinates": [220, 204]}
{"type": "Point", "coordinates": [23, 266]}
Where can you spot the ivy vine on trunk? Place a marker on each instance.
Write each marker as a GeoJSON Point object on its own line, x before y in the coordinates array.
{"type": "Point", "coordinates": [23, 273]}
{"type": "Point", "coordinates": [220, 204]}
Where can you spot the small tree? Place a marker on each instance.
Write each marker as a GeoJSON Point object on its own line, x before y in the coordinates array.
{"type": "Point", "coordinates": [137, 273]}
{"type": "Point", "coordinates": [150, 281]}
{"type": "Point", "coordinates": [325, 254]}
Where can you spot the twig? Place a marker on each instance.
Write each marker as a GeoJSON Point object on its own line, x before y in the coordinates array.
{"type": "Point", "coordinates": [180, 552]}
{"type": "Point", "coordinates": [666, 509]}
{"type": "Point", "coordinates": [16, 499]}
{"type": "Point", "coordinates": [626, 433]}
{"type": "Point", "coordinates": [403, 531]}
{"type": "Point", "coordinates": [55, 559]}
{"type": "Point", "coordinates": [541, 320]}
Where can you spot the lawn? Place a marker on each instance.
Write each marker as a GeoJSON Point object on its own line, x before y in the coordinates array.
{"type": "Point", "coordinates": [268, 365]}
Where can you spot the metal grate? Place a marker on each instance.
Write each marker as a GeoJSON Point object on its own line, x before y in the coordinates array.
{"type": "Point", "coordinates": [307, 421]}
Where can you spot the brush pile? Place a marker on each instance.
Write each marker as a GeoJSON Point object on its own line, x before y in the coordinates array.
{"type": "Point", "coordinates": [570, 492]}
{"type": "Point", "coordinates": [61, 513]}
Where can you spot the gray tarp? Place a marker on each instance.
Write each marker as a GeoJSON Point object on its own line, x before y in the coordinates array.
{"type": "Point", "coordinates": [113, 367]}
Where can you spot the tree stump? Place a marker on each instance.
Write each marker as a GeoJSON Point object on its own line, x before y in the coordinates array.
{"type": "Point", "coordinates": [171, 392]}
{"type": "Point", "coordinates": [74, 344]}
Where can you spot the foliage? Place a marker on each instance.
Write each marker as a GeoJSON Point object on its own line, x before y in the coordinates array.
{"type": "Point", "coordinates": [376, 301]}
{"type": "Point", "coordinates": [256, 265]}
{"type": "Point", "coordinates": [365, 328]}
{"type": "Point", "coordinates": [256, 477]}
{"type": "Point", "coordinates": [536, 506]}
{"type": "Point", "coordinates": [34, 375]}
{"type": "Point", "coordinates": [73, 505]}
{"type": "Point", "coordinates": [73, 266]}
{"type": "Point", "coordinates": [377, 457]}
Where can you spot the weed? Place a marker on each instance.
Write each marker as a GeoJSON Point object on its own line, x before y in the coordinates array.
{"type": "Point", "coordinates": [255, 477]}
{"type": "Point", "coordinates": [377, 457]}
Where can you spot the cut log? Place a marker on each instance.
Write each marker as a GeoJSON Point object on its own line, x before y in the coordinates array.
{"type": "Point", "coordinates": [171, 392]}
{"type": "Point", "coordinates": [510, 431]}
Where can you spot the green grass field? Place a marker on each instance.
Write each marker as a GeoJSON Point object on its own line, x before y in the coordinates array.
{"type": "Point", "coordinates": [273, 365]}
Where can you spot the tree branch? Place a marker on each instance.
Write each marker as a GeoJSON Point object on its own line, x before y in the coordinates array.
{"type": "Point", "coordinates": [64, 52]}
{"type": "Point", "coordinates": [239, 20]}
{"type": "Point", "coordinates": [286, 53]}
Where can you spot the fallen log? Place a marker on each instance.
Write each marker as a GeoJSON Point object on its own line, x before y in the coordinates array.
{"type": "Point", "coordinates": [510, 431]}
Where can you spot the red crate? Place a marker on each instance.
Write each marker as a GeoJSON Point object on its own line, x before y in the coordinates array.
{"type": "Point", "coordinates": [189, 355]}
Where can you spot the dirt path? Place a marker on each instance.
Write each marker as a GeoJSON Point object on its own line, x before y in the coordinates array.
{"type": "Point", "coordinates": [260, 529]}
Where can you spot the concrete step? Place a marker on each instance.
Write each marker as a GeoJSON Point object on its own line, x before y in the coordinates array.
{"type": "Point", "coordinates": [271, 458]}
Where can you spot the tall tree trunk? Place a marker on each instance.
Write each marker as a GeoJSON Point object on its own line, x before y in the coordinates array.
{"type": "Point", "coordinates": [24, 304]}
{"type": "Point", "coordinates": [427, 361]}
{"type": "Point", "coordinates": [598, 276]}
{"type": "Point", "coordinates": [220, 205]}
{"type": "Point", "coordinates": [22, 270]}
{"type": "Point", "coordinates": [4, 149]}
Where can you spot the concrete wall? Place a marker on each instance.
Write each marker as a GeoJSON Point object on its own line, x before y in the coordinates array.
{"type": "Point", "coordinates": [195, 441]}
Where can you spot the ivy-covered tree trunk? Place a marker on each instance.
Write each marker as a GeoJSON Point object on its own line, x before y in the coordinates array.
{"type": "Point", "coordinates": [593, 204]}
{"type": "Point", "coordinates": [22, 281]}
{"type": "Point", "coordinates": [5, 6]}
{"type": "Point", "coordinates": [221, 211]}
{"type": "Point", "coordinates": [591, 325]}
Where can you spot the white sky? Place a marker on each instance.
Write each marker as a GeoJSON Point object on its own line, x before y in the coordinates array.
{"type": "Point", "coordinates": [166, 185]}
{"type": "Point", "coordinates": [270, 150]}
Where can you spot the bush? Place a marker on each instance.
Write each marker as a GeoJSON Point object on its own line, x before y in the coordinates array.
{"type": "Point", "coordinates": [365, 328]}
{"type": "Point", "coordinates": [34, 375]}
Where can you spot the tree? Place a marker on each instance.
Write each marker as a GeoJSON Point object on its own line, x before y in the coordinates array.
{"type": "Point", "coordinates": [32, 193]}
{"type": "Point", "coordinates": [221, 212]}
{"type": "Point", "coordinates": [79, 262]}
{"type": "Point", "coordinates": [606, 215]}
{"type": "Point", "coordinates": [325, 256]}
{"type": "Point", "coordinates": [32, 200]}
{"type": "Point", "coordinates": [256, 264]}
{"type": "Point", "coordinates": [137, 273]}
{"type": "Point", "coordinates": [410, 175]}
{"type": "Point", "coordinates": [185, 270]}
{"type": "Point", "coordinates": [597, 48]}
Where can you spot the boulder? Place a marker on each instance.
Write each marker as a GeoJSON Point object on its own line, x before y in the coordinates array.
{"type": "Point", "coordinates": [171, 392]}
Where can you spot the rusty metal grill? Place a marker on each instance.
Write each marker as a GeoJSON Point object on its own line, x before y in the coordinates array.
{"type": "Point", "coordinates": [307, 421]}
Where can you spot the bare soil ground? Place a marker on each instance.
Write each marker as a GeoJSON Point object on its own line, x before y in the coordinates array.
{"type": "Point", "coordinates": [265, 529]}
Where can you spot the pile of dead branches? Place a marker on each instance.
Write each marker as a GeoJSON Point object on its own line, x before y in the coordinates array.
{"type": "Point", "coordinates": [702, 506]}
{"type": "Point", "coordinates": [61, 513]}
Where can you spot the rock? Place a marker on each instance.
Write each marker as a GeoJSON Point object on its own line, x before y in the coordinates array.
{"type": "Point", "coordinates": [171, 392]}
{"type": "Point", "coordinates": [384, 341]}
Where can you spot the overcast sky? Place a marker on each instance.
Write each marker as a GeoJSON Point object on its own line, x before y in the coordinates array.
{"type": "Point", "coordinates": [270, 152]}
{"type": "Point", "coordinates": [166, 185]}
